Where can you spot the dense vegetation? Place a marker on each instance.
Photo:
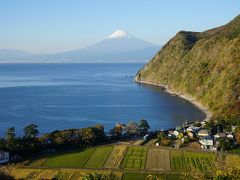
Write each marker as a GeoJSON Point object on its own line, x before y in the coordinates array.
{"type": "Point", "coordinates": [30, 143]}
{"type": "Point", "coordinates": [204, 65]}
{"type": "Point", "coordinates": [134, 162]}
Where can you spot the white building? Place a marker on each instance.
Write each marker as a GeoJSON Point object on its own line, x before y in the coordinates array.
{"type": "Point", "coordinates": [4, 157]}
{"type": "Point", "coordinates": [203, 133]}
{"type": "Point", "coordinates": [220, 135]}
{"type": "Point", "coordinates": [207, 143]}
{"type": "Point", "coordinates": [193, 129]}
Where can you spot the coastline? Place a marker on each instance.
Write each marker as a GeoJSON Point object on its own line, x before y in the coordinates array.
{"type": "Point", "coordinates": [192, 100]}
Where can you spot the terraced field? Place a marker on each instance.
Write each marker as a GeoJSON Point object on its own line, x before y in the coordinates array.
{"type": "Point", "coordinates": [144, 176]}
{"type": "Point", "coordinates": [61, 174]}
{"type": "Point", "coordinates": [135, 158]}
{"type": "Point", "coordinates": [158, 159]}
{"type": "Point", "coordinates": [69, 160]}
{"type": "Point", "coordinates": [233, 161]}
{"type": "Point", "coordinates": [116, 156]}
{"type": "Point", "coordinates": [122, 159]}
{"type": "Point", "coordinates": [184, 160]}
{"type": "Point", "coordinates": [99, 157]}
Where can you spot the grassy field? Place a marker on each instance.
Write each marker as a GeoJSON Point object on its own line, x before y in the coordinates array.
{"type": "Point", "coordinates": [235, 150]}
{"type": "Point", "coordinates": [158, 159]}
{"type": "Point", "coordinates": [144, 176]}
{"type": "Point", "coordinates": [69, 160]}
{"type": "Point", "coordinates": [61, 174]}
{"type": "Point", "coordinates": [37, 162]}
{"type": "Point", "coordinates": [184, 160]}
{"type": "Point", "coordinates": [121, 159]}
{"type": "Point", "coordinates": [135, 158]}
{"type": "Point", "coordinates": [115, 157]}
{"type": "Point", "coordinates": [89, 158]}
{"type": "Point", "coordinates": [233, 161]}
{"type": "Point", "coordinates": [99, 157]}
{"type": "Point", "coordinates": [24, 173]}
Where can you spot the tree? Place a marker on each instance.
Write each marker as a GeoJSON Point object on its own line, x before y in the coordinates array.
{"type": "Point", "coordinates": [99, 132]}
{"type": "Point", "coordinates": [10, 135]}
{"type": "Point", "coordinates": [224, 144]}
{"type": "Point", "coordinates": [116, 131]}
{"type": "Point", "coordinates": [88, 135]}
{"type": "Point", "coordinates": [180, 135]}
{"type": "Point", "coordinates": [143, 124]}
{"type": "Point", "coordinates": [208, 125]}
{"type": "Point", "coordinates": [132, 127]}
{"type": "Point", "coordinates": [237, 134]}
{"type": "Point", "coordinates": [161, 136]}
{"type": "Point", "coordinates": [31, 131]}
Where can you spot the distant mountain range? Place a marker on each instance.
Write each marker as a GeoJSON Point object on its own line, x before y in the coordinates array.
{"type": "Point", "coordinates": [117, 47]}
{"type": "Point", "coordinates": [6, 54]}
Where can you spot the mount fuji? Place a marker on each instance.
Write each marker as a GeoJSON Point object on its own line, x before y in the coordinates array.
{"type": "Point", "coordinates": [119, 46]}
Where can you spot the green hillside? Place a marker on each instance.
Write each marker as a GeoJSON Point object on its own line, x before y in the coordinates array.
{"type": "Point", "coordinates": [204, 65]}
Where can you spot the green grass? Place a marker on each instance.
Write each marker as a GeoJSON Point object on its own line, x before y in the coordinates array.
{"type": "Point", "coordinates": [99, 157]}
{"type": "Point", "coordinates": [181, 161]}
{"type": "Point", "coordinates": [69, 160]}
{"type": "Point", "coordinates": [134, 175]}
{"type": "Point", "coordinates": [135, 158]}
{"type": "Point", "coordinates": [233, 161]}
{"type": "Point", "coordinates": [235, 150]}
{"type": "Point", "coordinates": [37, 162]}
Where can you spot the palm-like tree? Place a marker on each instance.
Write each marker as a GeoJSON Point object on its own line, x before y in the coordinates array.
{"type": "Point", "coordinates": [31, 131]}
{"type": "Point", "coordinates": [143, 124]}
{"type": "Point", "coordinates": [10, 135]}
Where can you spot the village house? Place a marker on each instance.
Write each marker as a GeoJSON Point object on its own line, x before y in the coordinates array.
{"type": "Point", "coordinates": [230, 136]}
{"type": "Point", "coordinates": [203, 133]}
{"type": "Point", "coordinates": [207, 143]}
{"type": "Point", "coordinates": [219, 135]}
{"type": "Point", "coordinates": [172, 134]}
{"type": "Point", "coordinates": [4, 157]}
{"type": "Point", "coordinates": [190, 134]}
{"type": "Point", "coordinates": [193, 129]}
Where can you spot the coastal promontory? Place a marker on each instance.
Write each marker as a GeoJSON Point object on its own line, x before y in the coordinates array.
{"type": "Point", "coordinates": [203, 65]}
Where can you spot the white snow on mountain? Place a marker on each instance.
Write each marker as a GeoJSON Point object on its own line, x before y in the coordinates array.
{"type": "Point", "coordinates": [119, 34]}
{"type": "Point", "coordinates": [117, 47]}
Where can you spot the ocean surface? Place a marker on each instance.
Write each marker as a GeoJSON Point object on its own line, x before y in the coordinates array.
{"type": "Point", "coordinates": [61, 96]}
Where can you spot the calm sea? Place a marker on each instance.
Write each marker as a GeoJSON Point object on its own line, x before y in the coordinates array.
{"type": "Point", "coordinates": [61, 96]}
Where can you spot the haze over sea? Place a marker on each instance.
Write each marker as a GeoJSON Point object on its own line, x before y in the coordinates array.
{"type": "Point", "coordinates": [61, 96]}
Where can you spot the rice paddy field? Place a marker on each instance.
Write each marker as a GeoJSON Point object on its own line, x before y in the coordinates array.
{"type": "Point", "coordinates": [129, 162]}
{"type": "Point", "coordinates": [233, 161]}
{"type": "Point", "coordinates": [69, 160]}
{"type": "Point", "coordinates": [144, 176]}
{"type": "Point", "coordinates": [61, 174]}
{"type": "Point", "coordinates": [158, 159]}
{"type": "Point", "coordinates": [135, 158]}
{"type": "Point", "coordinates": [98, 157]}
{"type": "Point", "coordinates": [185, 160]}
{"type": "Point", "coordinates": [115, 158]}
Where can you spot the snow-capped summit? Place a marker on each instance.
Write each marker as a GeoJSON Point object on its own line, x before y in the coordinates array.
{"type": "Point", "coordinates": [118, 47]}
{"type": "Point", "coordinates": [119, 34]}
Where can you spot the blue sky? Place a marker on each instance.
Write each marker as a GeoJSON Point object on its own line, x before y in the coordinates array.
{"type": "Point", "coordinates": [45, 26]}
